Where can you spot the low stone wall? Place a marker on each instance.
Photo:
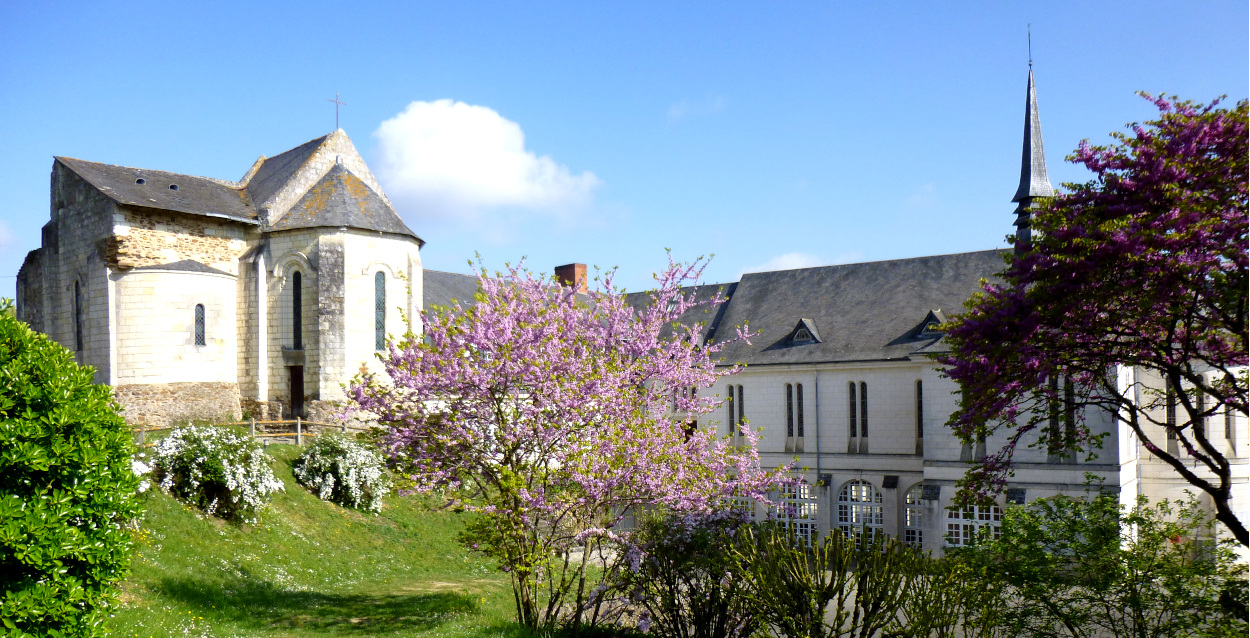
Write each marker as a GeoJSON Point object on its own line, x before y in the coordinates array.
{"type": "Point", "coordinates": [163, 404]}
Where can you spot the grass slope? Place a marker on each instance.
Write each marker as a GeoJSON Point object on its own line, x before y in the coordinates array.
{"type": "Point", "coordinates": [309, 568]}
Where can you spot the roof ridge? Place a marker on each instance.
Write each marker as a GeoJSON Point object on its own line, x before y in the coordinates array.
{"type": "Point", "coordinates": [223, 182]}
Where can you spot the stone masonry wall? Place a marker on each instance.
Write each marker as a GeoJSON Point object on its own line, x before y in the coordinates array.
{"type": "Point", "coordinates": [149, 238]}
{"type": "Point", "coordinates": [165, 404]}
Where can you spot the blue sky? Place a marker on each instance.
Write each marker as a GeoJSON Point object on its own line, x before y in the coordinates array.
{"type": "Point", "coordinates": [769, 134]}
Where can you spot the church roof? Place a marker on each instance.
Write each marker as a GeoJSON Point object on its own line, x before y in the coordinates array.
{"type": "Point", "coordinates": [866, 312]}
{"type": "Point", "coordinates": [274, 172]}
{"type": "Point", "coordinates": [164, 190]}
{"type": "Point", "coordinates": [1033, 179]}
{"type": "Point", "coordinates": [339, 199]}
{"type": "Point", "coordinates": [440, 288]}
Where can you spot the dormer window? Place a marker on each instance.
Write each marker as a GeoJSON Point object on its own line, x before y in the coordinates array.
{"type": "Point", "coordinates": [804, 332]}
{"type": "Point", "coordinates": [932, 328]}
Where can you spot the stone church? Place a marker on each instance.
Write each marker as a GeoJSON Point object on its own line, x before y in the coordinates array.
{"type": "Point", "coordinates": [204, 298]}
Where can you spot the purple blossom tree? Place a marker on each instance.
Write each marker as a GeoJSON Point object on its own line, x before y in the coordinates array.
{"type": "Point", "coordinates": [1133, 293]}
{"type": "Point", "coordinates": [550, 413]}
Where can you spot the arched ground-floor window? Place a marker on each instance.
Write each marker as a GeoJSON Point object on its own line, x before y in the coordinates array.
{"type": "Point", "coordinates": [859, 508]}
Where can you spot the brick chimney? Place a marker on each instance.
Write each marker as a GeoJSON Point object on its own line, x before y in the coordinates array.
{"type": "Point", "coordinates": [573, 275]}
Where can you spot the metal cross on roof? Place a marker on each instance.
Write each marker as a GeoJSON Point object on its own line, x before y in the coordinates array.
{"type": "Point", "coordinates": [337, 103]}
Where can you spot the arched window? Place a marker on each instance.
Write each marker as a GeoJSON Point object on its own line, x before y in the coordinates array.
{"type": "Point", "coordinates": [913, 517]}
{"type": "Point", "coordinates": [729, 403]}
{"type": "Point", "coordinates": [796, 510]}
{"type": "Point", "coordinates": [851, 411]}
{"type": "Point", "coordinates": [379, 310]}
{"type": "Point", "coordinates": [199, 325]}
{"type": "Point", "coordinates": [966, 526]}
{"type": "Point", "coordinates": [77, 316]}
{"type": "Point", "coordinates": [1170, 414]}
{"type": "Point", "coordinates": [863, 409]}
{"type": "Point", "coordinates": [859, 509]}
{"type": "Point", "coordinates": [798, 394]}
{"type": "Point", "coordinates": [297, 310]}
{"type": "Point", "coordinates": [789, 410]}
{"type": "Point", "coordinates": [741, 410]}
{"type": "Point", "coordinates": [919, 409]}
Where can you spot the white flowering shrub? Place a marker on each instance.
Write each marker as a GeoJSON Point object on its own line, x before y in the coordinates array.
{"type": "Point", "coordinates": [222, 471]}
{"type": "Point", "coordinates": [343, 471]}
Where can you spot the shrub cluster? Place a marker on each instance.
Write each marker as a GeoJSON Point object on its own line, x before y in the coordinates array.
{"type": "Point", "coordinates": [1084, 565]}
{"type": "Point", "coordinates": [216, 468]}
{"type": "Point", "coordinates": [66, 489]}
{"type": "Point", "coordinates": [343, 471]}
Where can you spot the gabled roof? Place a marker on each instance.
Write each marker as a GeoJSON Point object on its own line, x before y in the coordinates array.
{"type": "Point", "coordinates": [341, 198]}
{"type": "Point", "coordinates": [274, 172]}
{"type": "Point", "coordinates": [707, 316]}
{"type": "Point", "coordinates": [866, 312]}
{"type": "Point", "coordinates": [195, 195]}
{"type": "Point", "coordinates": [440, 288]}
{"type": "Point", "coordinates": [812, 335]}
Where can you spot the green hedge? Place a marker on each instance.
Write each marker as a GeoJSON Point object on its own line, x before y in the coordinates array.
{"type": "Point", "coordinates": [67, 491]}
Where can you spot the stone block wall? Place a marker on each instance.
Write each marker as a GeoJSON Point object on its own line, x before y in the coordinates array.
{"type": "Point", "coordinates": [149, 238]}
{"type": "Point", "coordinates": [155, 326]}
{"type": "Point", "coordinates": [397, 258]}
{"type": "Point", "coordinates": [290, 252]}
{"type": "Point", "coordinates": [166, 404]}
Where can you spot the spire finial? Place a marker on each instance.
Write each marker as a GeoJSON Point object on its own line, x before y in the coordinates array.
{"type": "Point", "coordinates": [1030, 45]}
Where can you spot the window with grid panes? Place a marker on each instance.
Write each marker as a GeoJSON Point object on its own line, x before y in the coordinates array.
{"type": "Point", "coordinates": [913, 517]}
{"type": "Point", "coordinates": [859, 508]}
{"type": "Point", "coordinates": [797, 510]}
{"type": "Point", "coordinates": [965, 526]}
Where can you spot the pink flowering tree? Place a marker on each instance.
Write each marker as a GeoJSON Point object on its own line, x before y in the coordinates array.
{"type": "Point", "coordinates": [551, 413]}
{"type": "Point", "coordinates": [1133, 293]}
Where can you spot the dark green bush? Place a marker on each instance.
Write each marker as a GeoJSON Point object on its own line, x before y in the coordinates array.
{"type": "Point", "coordinates": [66, 489]}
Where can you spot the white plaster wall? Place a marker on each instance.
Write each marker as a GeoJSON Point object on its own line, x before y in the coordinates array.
{"type": "Point", "coordinates": [365, 254]}
{"type": "Point", "coordinates": [155, 314]}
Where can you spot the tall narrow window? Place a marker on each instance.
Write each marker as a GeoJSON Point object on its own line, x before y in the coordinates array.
{"type": "Point", "coordinates": [1069, 418]}
{"type": "Point", "coordinates": [789, 411]}
{"type": "Point", "coordinates": [797, 511]}
{"type": "Point", "coordinates": [1201, 423]}
{"type": "Point", "coordinates": [729, 403]}
{"type": "Point", "coordinates": [77, 317]}
{"type": "Point", "coordinates": [1228, 422]}
{"type": "Point", "coordinates": [919, 409]}
{"type": "Point", "coordinates": [913, 521]}
{"type": "Point", "coordinates": [1170, 410]}
{"type": "Point", "coordinates": [798, 395]}
{"type": "Point", "coordinates": [741, 411]}
{"type": "Point", "coordinates": [199, 325]}
{"type": "Point", "coordinates": [379, 311]}
{"type": "Point", "coordinates": [297, 310]}
{"type": "Point", "coordinates": [851, 411]}
{"type": "Point", "coordinates": [863, 409]}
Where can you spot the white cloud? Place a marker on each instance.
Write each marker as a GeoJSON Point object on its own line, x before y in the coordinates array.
{"type": "Point", "coordinates": [451, 159]}
{"type": "Point", "coordinates": [707, 106]}
{"type": "Point", "coordinates": [791, 261]}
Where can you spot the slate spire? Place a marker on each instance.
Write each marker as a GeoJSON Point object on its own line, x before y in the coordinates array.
{"type": "Point", "coordinates": [1033, 180]}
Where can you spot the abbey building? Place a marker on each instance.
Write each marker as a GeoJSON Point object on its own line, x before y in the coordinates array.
{"type": "Point", "coordinates": [200, 298]}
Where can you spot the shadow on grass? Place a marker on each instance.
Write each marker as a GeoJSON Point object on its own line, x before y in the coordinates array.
{"type": "Point", "coordinates": [263, 606]}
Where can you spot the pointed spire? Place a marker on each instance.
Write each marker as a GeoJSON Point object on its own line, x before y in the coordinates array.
{"type": "Point", "coordinates": [1033, 179]}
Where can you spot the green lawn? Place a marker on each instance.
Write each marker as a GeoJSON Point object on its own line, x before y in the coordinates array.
{"type": "Point", "coordinates": [309, 568]}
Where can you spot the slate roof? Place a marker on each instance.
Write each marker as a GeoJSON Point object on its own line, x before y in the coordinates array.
{"type": "Point", "coordinates": [274, 172]}
{"type": "Point", "coordinates": [341, 198]}
{"type": "Point", "coordinates": [708, 316]}
{"type": "Point", "coordinates": [186, 265]}
{"type": "Point", "coordinates": [1033, 179]}
{"type": "Point", "coordinates": [195, 195]}
{"type": "Point", "coordinates": [865, 312]}
{"type": "Point", "coordinates": [440, 288]}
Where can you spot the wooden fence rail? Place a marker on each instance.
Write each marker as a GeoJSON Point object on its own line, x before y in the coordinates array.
{"type": "Point", "coordinates": [299, 432]}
